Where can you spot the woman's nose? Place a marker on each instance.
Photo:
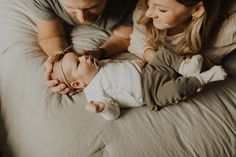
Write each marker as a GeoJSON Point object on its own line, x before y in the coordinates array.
{"type": "Point", "coordinates": [150, 12]}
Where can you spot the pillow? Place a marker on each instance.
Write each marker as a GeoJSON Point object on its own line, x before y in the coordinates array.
{"type": "Point", "coordinates": [229, 64]}
{"type": "Point", "coordinates": [224, 42]}
{"type": "Point", "coordinates": [227, 32]}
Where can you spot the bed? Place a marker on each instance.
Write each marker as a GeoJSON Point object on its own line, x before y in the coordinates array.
{"type": "Point", "coordinates": [35, 122]}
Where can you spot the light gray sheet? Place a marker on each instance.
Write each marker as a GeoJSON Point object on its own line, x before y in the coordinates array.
{"type": "Point", "coordinates": [39, 123]}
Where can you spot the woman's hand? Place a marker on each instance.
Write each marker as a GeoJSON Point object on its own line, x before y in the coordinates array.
{"type": "Point", "coordinates": [149, 54]}
{"type": "Point", "coordinates": [55, 85]}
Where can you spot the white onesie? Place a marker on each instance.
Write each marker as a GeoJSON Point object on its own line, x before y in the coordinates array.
{"type": "Point", "coordinates": [117, 84]}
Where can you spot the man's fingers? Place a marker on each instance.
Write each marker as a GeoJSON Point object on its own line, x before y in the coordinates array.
{"type": "Point", "coordinates": [51, 83]}
{"type": "Point", "coordinates": [48, 68]}
{"type": "Point", "coordinates": [59, 88]}
{"type": "Point", "coordinates": [54, 85]}
{"type": "Point", "coordinates": [73, 92]}
{"type": "Point", "coordinates": [65, 91]}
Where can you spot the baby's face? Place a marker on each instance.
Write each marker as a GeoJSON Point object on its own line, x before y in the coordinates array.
{"type": "Point", "coordinates": [78, 67]}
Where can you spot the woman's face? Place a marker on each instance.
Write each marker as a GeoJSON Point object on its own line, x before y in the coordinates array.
{"type": "Point", "coordinates": [86, 11]}
{"type": "Point", "coordinates": [168, 14]}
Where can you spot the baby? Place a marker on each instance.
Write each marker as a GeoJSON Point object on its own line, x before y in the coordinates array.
{"type": "Point", "coordinates": [111, 84]}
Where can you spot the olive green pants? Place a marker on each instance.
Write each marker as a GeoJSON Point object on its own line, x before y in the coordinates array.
{"type": "Point", "coordinates": [162, 84]}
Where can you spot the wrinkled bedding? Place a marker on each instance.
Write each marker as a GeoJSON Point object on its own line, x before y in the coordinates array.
{"type": "Point", "coordinates": [38, 123]}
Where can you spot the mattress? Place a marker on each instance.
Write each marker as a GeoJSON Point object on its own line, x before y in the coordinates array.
{"type": "Point", "coordinates": [35, 122]}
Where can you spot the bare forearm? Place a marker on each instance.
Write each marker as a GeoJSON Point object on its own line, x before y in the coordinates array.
{"type": "Point", "coordinates": [115, 45]}
{"type": "Point", "coordinates": [51, 36]}
{"type": "Point", "coordinates": [52, 45]}
{"type": "Point", "coordinates": [119, 40]}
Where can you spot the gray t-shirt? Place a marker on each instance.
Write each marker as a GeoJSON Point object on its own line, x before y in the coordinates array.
{"type": "Point", "coordinates": [116, 12]}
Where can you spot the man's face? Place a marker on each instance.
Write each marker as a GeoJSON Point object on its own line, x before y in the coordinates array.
{"type": "Point", "coordinates": [86, 11]}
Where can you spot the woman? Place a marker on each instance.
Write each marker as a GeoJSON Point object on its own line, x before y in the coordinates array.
{"type": "Point", "coordinates": [185, 26]}
{"type": "Point", "coordinates": [190, 26]}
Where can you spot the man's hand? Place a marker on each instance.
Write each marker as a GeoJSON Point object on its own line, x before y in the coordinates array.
{"type": "Point", "coordinates": [94, 106]}
{"type": "Point", "coordinates": [55, 85]}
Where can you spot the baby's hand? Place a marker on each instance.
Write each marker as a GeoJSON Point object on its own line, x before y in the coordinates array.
{"type": "Point", "coordinates": [94, 106]}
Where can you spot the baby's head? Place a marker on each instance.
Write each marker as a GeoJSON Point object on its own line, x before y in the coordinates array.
{"type": "Point", "coordinates": [74, 70]}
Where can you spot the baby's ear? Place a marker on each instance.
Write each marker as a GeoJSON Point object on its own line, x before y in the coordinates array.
{"type": "Point", "coordinates": [78, 84]}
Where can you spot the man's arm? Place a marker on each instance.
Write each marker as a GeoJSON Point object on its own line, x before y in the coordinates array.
{"type": "Point", "coordinates": [51, 36]}
{"type": "Point", "coordinates": [51, 40]}
{"type": "Point", "coordinates": [119, 40]}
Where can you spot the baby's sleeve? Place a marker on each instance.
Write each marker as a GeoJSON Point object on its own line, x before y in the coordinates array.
{"type": "Point", "coordinates": [111, 111]}
{"type": "Point", "coordinates": [95, 92]}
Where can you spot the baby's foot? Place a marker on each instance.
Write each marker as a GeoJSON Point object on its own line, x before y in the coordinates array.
{"type": "Point", "coordinates": [216, 73]}
{"type": "Point", "coordinates": [191, 66]}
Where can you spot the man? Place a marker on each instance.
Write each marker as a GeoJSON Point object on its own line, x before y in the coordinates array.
{"type": "Point", "coordinates": [100, 27]}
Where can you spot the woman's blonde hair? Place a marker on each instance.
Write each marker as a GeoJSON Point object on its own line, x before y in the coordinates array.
{"type": "Point", "coordinates": [198, 34]}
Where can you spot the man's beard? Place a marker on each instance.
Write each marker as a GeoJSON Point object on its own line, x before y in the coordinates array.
{"type": "Point", "coordinates": [89, 18]}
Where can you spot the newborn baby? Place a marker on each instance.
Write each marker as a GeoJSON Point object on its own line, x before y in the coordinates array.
{"type": "Point", "coordinates": [111, 84]}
